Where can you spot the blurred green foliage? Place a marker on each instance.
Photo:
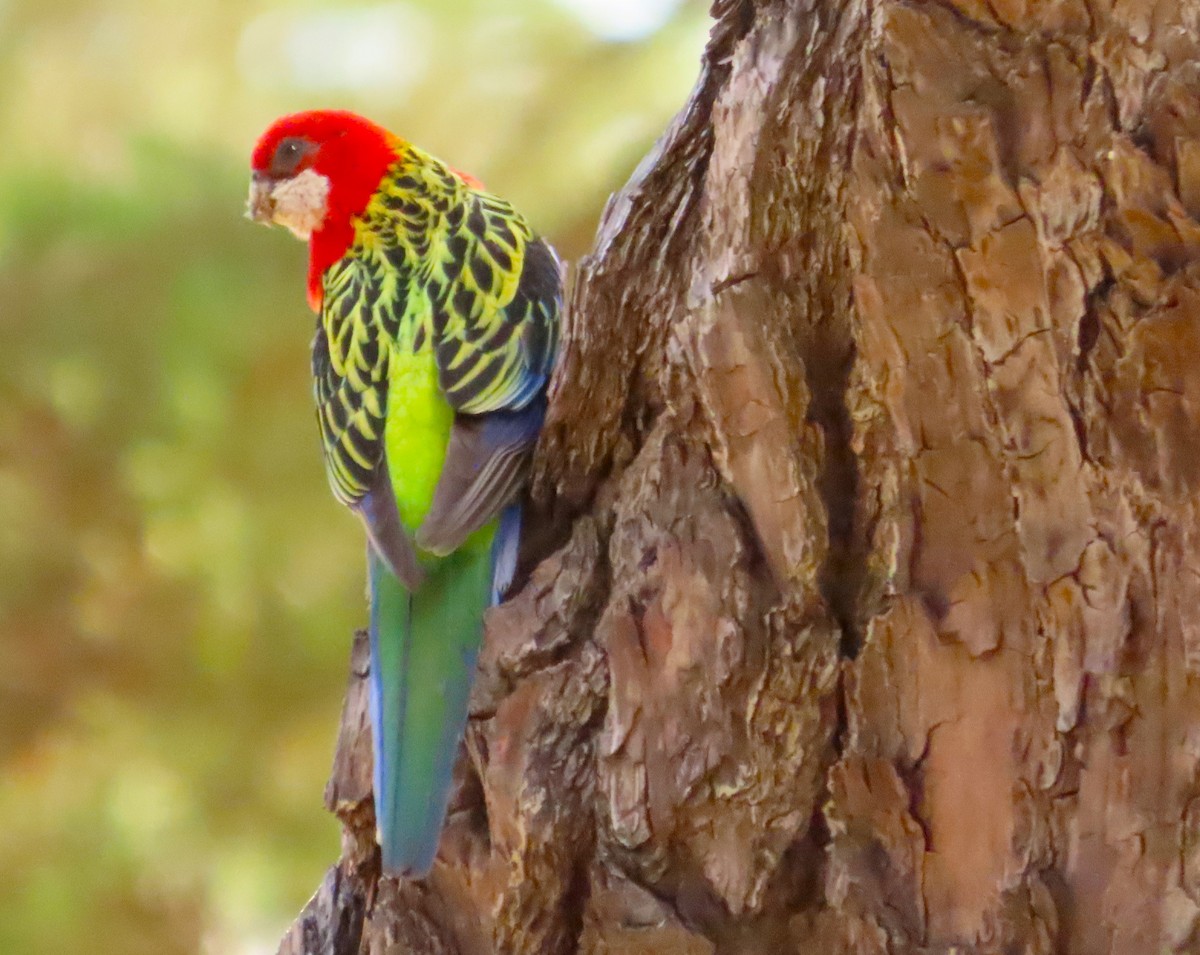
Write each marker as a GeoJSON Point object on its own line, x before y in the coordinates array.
{"type": "Point", "coordinates": [177, 587]}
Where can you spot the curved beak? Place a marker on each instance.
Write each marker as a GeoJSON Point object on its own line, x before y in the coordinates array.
{"type": "Point", "coordinates": [260, 206]}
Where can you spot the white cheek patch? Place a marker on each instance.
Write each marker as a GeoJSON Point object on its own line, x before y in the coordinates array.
{"type": "Point", "coordinates": [300, 202]}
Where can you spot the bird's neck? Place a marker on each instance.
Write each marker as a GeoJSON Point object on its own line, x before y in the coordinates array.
{"type": "Point", "coordinates": [354, 166]}
{"type": "Point", "coordinates": [325, 246]}
{"type": "Point", "coordinates": [404, 188]}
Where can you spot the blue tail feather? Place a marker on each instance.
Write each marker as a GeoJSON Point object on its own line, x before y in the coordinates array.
{"type": "Point", "coordinates": [423, 650]}
{"type": "Point", "coordinates": [505, 550]}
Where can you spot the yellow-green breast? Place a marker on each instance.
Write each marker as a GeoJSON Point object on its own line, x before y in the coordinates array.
{"type": "Point", "coordinates": [416, 432]}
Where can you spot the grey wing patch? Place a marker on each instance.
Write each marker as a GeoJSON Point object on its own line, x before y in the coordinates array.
{"type": "Point", "coordinates": [487, 461]}
{"type": "Point", "coordinates": [381, 517]}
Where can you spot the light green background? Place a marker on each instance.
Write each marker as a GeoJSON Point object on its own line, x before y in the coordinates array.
{"type": "Point", "coordinates": [177, 586]}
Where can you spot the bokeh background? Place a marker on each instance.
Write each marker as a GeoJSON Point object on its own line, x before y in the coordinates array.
{"type": "Point", "coordinates": [177, 587]}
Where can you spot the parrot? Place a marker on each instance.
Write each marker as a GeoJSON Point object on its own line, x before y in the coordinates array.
{"type": "Point", "coordinates": [437, 328]}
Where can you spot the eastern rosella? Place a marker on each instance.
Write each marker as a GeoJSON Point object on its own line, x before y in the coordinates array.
{"type": "Point", "coordinates": [438, 321]}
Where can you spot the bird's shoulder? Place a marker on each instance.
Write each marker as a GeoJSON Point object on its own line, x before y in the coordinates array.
{"type": "Point", "coordinates": [438, 262]}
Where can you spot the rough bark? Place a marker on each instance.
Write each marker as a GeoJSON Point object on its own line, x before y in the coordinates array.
{"type": "Point", "coordinates": [867, 617]}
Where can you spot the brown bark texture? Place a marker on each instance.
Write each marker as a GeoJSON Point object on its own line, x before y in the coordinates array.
{"type": "Point", "coordinates": [866, 613]}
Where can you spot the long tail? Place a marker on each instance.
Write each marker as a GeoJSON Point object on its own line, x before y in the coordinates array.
{"type": "Point", "coordinates": [423, 649]}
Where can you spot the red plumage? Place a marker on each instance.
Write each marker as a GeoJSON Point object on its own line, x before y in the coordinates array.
{"type": "Point", "coordinates": [353, 154]}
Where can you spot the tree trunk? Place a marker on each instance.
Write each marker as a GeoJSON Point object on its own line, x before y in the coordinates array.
{"type": "Point", "coordinates": [867, 618]}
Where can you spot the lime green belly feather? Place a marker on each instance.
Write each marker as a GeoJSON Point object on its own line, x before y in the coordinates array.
{"type": "Point", "coordinates": [415, 437]}
{"type": "Point", "coordinates": [416, 432]}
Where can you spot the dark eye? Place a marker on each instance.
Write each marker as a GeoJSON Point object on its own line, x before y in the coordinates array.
{"type": "Point", "coordinates": [289, 154]}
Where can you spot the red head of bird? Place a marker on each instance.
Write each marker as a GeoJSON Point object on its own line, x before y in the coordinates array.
{"type": "Point", "coordinates": [313, 172]}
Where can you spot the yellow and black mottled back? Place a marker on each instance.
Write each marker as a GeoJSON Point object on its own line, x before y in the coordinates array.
{"type": "Point", "coordinates": [435, 264]}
